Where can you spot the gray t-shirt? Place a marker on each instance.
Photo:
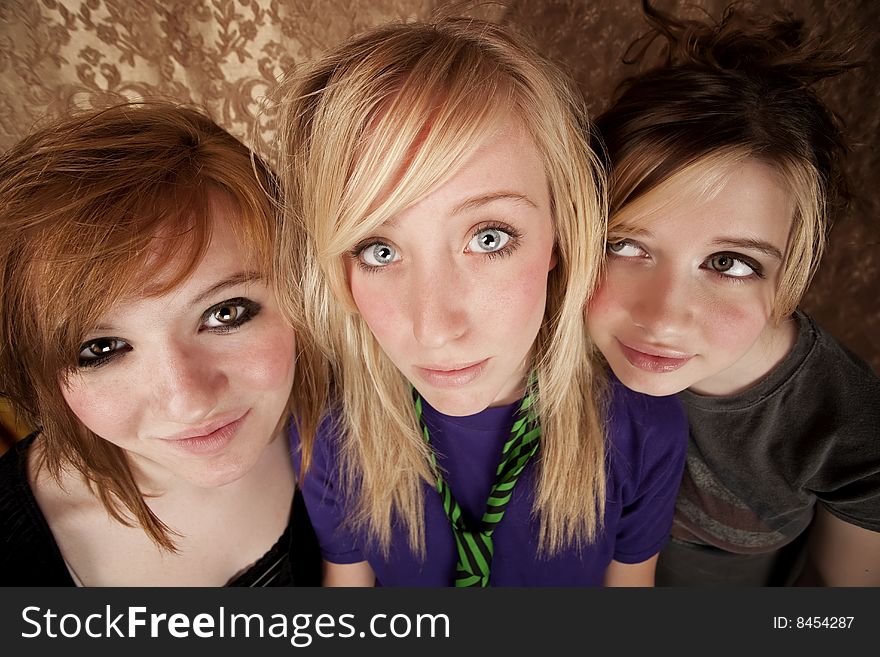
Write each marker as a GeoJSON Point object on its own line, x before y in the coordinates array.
{"type": "Point", "coordinates": [759, 461]}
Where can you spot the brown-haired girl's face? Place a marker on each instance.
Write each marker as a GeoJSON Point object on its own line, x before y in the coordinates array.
{"type": "Point", "coordinates": [193, 383]}
{"type": "Point", "coordinates": [454, 287]}
{"type": "Point", "coordinates": [689, 286]}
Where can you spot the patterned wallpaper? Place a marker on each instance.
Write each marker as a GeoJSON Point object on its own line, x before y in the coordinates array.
{"type": "Point", "coordinates": [227, 54]}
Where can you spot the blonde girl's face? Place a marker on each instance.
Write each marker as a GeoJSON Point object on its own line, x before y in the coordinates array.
{"type": "Point", "coordinates": [193, 384]}
{"type": "Point", "coordinates": [454, 286]}
{"type": "Point", "coordinates": [689, 285]}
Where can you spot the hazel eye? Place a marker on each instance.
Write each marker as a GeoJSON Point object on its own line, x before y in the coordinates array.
{"type": "Point", "coordinates": [488, 240]}
{"type": "Point", "coordinates": [728, 265]}
{"type": "Point", "coordinates": [379, 255]}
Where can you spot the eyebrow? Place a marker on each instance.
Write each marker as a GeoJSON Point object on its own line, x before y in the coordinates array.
{"type": "Point", "coordinates": [755, 245]}
{"type": "Point", "coordinates": [484, 199]}
{"type": "Point", "coordinates": [235, 279]}
{"type": "Point", "coordinates": [735, 242]}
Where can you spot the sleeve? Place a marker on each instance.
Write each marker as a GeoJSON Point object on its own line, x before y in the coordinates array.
{"type": "Point", "coordinates": [324, 500]}
{"type": "Point", "coordinates": [841, 417]}
{"type": "Point", "coordinates": [848, 483]}
{"type": "Point", "coordinates": [650, 449]}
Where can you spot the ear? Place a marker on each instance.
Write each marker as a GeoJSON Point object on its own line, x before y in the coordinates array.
{"type": "Point", "coordinates": [554, 258]}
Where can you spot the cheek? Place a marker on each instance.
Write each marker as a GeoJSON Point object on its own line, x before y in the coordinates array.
{"type": "Point", "coordinates": [602, 306]}
{"type": "Point", "coordinates": [101, 403]}
{"type": "Point", "coordinates": [269, 362]}
{"type": "Point", "coordinates": [732, 327]}
{"type": "Point", "coordinates": [514, 301]}
{"type": "Point", "coordinates": [382, 309]}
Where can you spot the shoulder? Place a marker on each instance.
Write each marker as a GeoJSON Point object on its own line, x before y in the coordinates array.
{"type": "Point", "coordinates": [29, 555]}
{"type": "Point", "coordinates": [833, 388]}
{"type": "Point", "coordinates": [832, 358]}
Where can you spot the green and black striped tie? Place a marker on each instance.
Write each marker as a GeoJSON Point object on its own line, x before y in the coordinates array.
{"type": "Point", "coordinates": [475, 547]}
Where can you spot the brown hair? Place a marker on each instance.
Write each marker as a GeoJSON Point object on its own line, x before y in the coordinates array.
{"type": "Point", "coordinates": [736, 89]}
{"type": "Point", "coordinates": [81, 201]}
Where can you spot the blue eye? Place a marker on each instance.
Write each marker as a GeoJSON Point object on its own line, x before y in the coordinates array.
{"type": "Point", "coordinates": [488, 240]}
{"type": "Point", "coordinates": [378, 254]}
{"type": "Point", "coordinates": [101, 350]}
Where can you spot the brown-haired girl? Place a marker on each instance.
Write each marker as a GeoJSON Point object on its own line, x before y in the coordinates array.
{"type": "Point", "coordinates": [724, 165]}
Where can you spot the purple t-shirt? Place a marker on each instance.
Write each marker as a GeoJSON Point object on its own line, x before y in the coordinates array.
{"type": "Point", "coordinates": [645, 456]}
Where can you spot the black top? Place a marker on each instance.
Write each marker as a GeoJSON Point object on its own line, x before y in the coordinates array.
{"type": "Point", "coordinates": [29, 555]}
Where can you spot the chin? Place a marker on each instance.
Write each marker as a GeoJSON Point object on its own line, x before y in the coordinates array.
{"type": "Point", "coordinates": [219, 474]}
{"type": "Point", "coordinates": [458, 404]}
{"type": "Point", "coordinates": [655, 385]}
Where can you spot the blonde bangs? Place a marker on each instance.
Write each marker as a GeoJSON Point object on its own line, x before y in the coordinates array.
{"type": "Point", "coordinates": [375, 164]}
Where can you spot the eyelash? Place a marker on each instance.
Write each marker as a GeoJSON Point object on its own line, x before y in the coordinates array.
{"type": "Point", "coordinates": [506, 250]}
{"type": "Point", "coordinates": [757, 270]}
{"type": "Point", "coordinates": [251, 310]}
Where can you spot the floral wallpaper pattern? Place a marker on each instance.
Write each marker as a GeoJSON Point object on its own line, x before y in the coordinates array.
{"type": "Point", "coordinates": [228, 54]}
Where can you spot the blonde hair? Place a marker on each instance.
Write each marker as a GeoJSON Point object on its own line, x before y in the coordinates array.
{"type": "Point", "coordinates": [371, 128]}
{"type": "Point", "coordinates": [81, 202]}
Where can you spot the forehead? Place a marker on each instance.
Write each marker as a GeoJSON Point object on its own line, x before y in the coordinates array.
{"type": "Point", "coordinates": [506, 167]}
{"type": "Point", "coordinates": [745, 199]}
{"type": "Point", "coordinates": [192, 249]}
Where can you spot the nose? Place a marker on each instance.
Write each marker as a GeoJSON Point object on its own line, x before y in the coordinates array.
{"type": "Point", "coordinates": [663, 304]}
{"type": "Point", "coordinates": [439, 297]}
{"type": "Point", "coordinates": [188, 384]}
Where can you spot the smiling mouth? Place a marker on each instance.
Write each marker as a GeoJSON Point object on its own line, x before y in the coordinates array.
{"type": "Point", "coordinates": [654, 362]}
{"type": "Point", "coordinates": [214, 440]}
{"type": "Point", "coordinates": [451, 377]}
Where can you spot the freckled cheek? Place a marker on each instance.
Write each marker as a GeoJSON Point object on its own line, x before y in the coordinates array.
{"type": "Point", "coordinates": [101, 403]}
{"type": "Point", "coordinates": [381, 308]}
{"type": "Point", "coordinates": [516, 301]}
{"type": "Point", "coordinates": [268, 361]}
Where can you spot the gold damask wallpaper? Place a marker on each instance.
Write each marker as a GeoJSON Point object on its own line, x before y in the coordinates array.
{"type": "Point", "coordinates": [227, 55]}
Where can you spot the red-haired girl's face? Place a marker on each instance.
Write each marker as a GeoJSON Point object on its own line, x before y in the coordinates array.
{"type": "Point", "coordinates": [194, 383]}
{"type": "Point", "coordinates": [689, 285]}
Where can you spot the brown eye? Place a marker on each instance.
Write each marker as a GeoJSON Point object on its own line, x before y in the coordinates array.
{"type": "Point", "coordinates": [230, 314]}
{"type": "Point", "coordinates": [226, 314]}
{"type": "Point", "coordinates": [100, 350]}
{"type": "Point", "coordinates": [102, 347]}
